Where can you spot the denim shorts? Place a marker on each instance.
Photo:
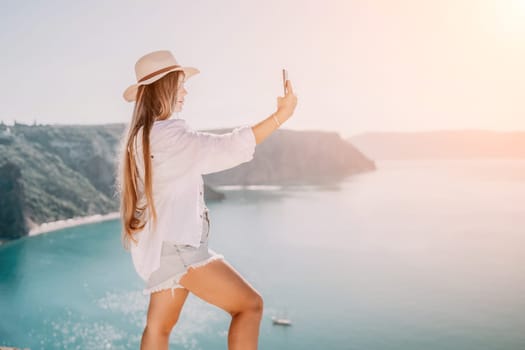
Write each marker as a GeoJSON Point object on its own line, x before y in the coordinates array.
{"type": "Point", "coordinates": [177, 258]}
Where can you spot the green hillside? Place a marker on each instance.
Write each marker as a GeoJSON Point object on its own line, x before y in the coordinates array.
{"type": "Point", "coordinates": [55, 172]}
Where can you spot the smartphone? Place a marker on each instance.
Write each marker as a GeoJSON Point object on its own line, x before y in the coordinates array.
{"type": "Point", "coordinates": [285, 78]}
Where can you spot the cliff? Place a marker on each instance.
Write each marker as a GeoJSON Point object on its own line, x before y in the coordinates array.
{"type": "Point", "coordinates": [55, 172]}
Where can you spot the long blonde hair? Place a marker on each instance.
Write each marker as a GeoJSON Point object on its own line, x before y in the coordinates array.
{"type": "Point", "coordinates": [153, 102]}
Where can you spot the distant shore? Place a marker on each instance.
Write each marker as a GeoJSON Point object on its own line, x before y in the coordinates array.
{"type": "Point", "coordinates": [60, 224]}
{"type": "Point", "coordinates": [76, 221]}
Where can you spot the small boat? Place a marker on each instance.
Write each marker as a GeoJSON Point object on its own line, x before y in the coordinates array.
{"type": "Point", "coordinates": [281, 321]}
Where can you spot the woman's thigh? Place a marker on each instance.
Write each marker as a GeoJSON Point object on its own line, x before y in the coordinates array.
{"type": "Point", "coordinates": [218, 283]}
{"type": "Point", "coordinates": [164, 309]}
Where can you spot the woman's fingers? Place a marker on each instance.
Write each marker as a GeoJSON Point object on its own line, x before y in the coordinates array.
{"type": "Point", "coordinates": [289, 88]}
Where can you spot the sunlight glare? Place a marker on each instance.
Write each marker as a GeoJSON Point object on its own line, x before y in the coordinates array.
{"type": "Point", "coordinates": [511, 16]}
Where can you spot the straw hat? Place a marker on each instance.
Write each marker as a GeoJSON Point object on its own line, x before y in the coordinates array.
{"type": "Point", "coordinates": [153, 66]}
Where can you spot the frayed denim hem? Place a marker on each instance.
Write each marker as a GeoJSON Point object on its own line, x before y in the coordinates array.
{"type": "Point", "coordinates": [173, 282]}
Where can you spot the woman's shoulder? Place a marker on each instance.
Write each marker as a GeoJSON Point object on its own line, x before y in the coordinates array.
{"type": "Point", "coordinates": [170, 122]}
{"type": "Point", "coordinates": [169, 126]}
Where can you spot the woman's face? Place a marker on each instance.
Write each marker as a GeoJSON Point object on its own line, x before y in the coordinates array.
{"type": "Point", "coordinates": [179, 101]}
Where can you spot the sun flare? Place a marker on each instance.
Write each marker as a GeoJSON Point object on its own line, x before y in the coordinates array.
{"type": "Point", "coordinates": [510, 17]}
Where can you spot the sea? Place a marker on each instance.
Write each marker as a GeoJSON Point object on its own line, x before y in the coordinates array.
{"type": "Point", "coordinates": [419, 254]}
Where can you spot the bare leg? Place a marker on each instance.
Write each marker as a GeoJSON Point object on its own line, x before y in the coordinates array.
{"type": "Point", "coordinates": [218, 283]}
{"type": "Point", "coordinates": [163, 313]}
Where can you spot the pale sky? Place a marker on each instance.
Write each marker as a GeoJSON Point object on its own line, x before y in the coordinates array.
{"type": "Point", "coordinates": [356, 66]}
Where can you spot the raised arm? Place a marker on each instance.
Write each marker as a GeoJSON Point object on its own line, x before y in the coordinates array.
{"type": "Point", "coordinates": [285, 108]}
{"type": "Point", "coordinates": [213, 153]}
{"type": "Point", "coordinates": [209, 153]}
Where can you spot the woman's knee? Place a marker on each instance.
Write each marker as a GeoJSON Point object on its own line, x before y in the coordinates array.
{"type": "Point", "coordinates": [257, 303]}
{"type": "Point", "coordinates": [253, 303]}
{"type": "Point", "coordinates": [157, 330]}
{"type": "Point", "coordinates": [162, 326]}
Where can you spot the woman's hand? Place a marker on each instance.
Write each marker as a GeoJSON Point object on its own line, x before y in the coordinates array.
{"type": "Point", "coordinates": [286, 105]}
{"type": "Point", "coordinates": [285, 108]}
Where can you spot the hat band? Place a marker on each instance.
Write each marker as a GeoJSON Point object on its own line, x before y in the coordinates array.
{"type": "Point", "coordinates": [151, 75]}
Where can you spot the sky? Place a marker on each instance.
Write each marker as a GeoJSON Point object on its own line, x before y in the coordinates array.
{"type": "Point", "coordinates": [355, 65]}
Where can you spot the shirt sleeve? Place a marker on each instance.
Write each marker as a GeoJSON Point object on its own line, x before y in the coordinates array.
{"type": "Point", "coordinates": [216, 152]}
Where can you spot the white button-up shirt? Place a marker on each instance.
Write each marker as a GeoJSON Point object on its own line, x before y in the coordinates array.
{"type": "Point", "coordinates": [179, 158]}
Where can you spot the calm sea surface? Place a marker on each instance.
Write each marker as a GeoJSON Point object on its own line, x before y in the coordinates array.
{"type": "Point", "coordinates": [416, 255]}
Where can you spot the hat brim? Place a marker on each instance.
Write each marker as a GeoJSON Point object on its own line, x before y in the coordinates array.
{"type": "Point", "coordinates": [130, 93]}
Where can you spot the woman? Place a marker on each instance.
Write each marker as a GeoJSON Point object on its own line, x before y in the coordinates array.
{"type": "Point", "coordinates": [164, 217]}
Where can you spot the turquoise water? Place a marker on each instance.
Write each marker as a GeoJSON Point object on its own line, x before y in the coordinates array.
{"type": "Point", "coordinates": [417, 255]}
